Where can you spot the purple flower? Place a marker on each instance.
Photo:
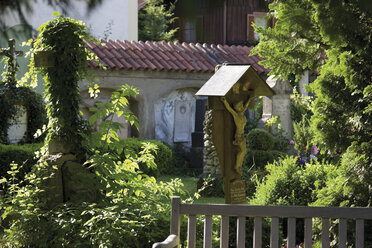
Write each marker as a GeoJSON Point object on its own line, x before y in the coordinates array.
{"type": "Point", "coordinates": [314, 150]}
{"type": "Point", "coordinates": [292, 142]}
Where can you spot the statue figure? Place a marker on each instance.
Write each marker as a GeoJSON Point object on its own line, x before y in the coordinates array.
{"type": "Point", "coordinates": [239, 139]}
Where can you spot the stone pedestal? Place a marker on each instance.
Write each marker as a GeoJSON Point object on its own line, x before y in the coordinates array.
{"type": "Point", "coordinates": [70, 181]}
{"type": "Point", "coordinates": [303, 82]}
{"type": "Point", "coordinates": [279, 104]}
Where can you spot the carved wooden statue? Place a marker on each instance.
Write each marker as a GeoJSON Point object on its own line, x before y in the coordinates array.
{"type": "Point", "coordinates": [239, 139]}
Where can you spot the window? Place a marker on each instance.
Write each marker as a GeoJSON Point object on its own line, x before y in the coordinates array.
{"type": "Point", "coordinates": [260, 19]}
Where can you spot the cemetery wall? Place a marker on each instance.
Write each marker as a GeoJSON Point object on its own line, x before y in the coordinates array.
{"type": "Point", "coordinates": [160, 94]}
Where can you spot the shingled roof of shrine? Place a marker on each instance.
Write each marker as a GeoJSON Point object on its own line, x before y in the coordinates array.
{"type": "Point", "coordinates": [170, 56]}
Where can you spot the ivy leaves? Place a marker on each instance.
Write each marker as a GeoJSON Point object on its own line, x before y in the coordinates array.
{"type": "Point", "coordinates": [119, 106]}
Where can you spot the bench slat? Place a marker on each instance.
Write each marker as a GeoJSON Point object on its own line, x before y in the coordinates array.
{"type": "Point", "coordinates": [257, 232]}
{"type": "Point", "coordinates": [291, 232]}
{"type": "Point", "coordinates": [325, 233]}
{"type": "Point", "coordinates": [208, 231]}
{"type": "Point", "coordinates": [274, 236]}
{"type": "Point", "coordinates": [276, 211]}
{"type": "Point", "coordinates": [224, 241]}
{"type": "Point", "coordinates": [308, 233]}
{"type": "Point", "coordinates": [191, 232]}
{"type": "Point", "coordinates": [240, 233]}
{"type": "Point", "coordinates": [342, 230]}
{"type": "Point", "coordinates": [359, 243]}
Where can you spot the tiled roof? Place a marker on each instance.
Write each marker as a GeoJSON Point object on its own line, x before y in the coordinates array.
{"type": "Point", "coordinates": [170, 56]}
{"type": "Point", "coordinates": [141, 4]}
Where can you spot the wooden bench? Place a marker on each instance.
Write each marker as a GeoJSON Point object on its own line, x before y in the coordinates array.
{"type": "Point", "coordinates": [258, 213]}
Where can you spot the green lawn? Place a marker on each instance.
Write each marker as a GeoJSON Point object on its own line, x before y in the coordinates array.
{"type": "Point", "coordinates": [190, 188]}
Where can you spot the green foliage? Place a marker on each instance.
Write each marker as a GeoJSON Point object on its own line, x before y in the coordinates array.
{"type": "Point", "coordinates": [260, 139]}
{"type": "Point", "coordinates": [23, 155]}
{"type": "Point", "coordinates": [133, 210]}
{"type": "Point", "coordinates": [303, 135]}
{"type": "Point", "coordinates": [309, 30]}
{"type": "Point", "coordinates": [287, 183]}
{"type": "Point", "coordinates": [258, 158]}
{"type": "Point", "coordinates": [212, 186]}
{"type": "Point", "coordinates": [259, 153]}
{"type": "Point", "coordinates": [163, 154]}
{"type": "Point", "coordinates": [34, 106]}
{"type": "Point", "coordinates": [281, 142]}
{"type": "Point", "coordinates": [294, 45]}
{"type": "Point", "coordinates": [351, 184]}
{"type": "Point", "coordinates": [252, 123]}
{"type": "Point", "coordinates": [11, 97]}
{"type": "Point", "coordinates": [301, 106]}
{"type": "Point", "coordinates": [154, 21]}
{"type": "Point", "coordinates": [65, 38]}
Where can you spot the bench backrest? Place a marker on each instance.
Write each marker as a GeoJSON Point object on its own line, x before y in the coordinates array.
{"type": "Point", "coordinates": [273, 212]}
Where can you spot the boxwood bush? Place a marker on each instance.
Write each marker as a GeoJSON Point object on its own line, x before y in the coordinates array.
{"type": "Point", "coordinates": [260, 139]}
{"type": "Point", "coordinates": [22, 155]}
{"type": "Point", "coordinates": [163, 155]}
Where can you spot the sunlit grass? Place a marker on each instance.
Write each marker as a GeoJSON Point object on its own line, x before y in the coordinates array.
{"type": "Point", "coordinates": [190, 187]}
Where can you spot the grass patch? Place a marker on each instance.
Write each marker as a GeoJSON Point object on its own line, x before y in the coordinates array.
{"type": "Point", "coordinates": [190, 187]}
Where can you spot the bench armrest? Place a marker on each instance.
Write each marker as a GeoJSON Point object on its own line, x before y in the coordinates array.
{"type": "Point", "coordinates": [171, 242]}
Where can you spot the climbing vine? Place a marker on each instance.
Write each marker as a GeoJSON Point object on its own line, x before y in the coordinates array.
{"type": "Point", "coordinates": [12, 96]}
{"type": "Point", "coordinates": [65, 39]}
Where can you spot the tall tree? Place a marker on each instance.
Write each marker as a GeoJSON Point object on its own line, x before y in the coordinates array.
{"type": "Point", "coordinates": [154, 21]}
{"type": "Point", "coordinates": [333, 37]}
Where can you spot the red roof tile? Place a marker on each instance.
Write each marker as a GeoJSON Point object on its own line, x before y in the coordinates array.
{"type": "Point", "coordinates": [171, 56]}
{"type": "Point", "coordinates": [141, 4]}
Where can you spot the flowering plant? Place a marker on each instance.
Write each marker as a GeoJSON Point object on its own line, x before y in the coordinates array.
{"type": "Point", "coordinates": [306, 154]}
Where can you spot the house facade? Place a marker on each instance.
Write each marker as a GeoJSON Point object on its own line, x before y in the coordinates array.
{"type": "Point", "coordinates": [221, 21]}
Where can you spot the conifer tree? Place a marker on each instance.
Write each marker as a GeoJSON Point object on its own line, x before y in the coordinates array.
{"type": "Point", "coordinates": [154, 21]}
{"type": "Point", "coordinates": [332, 37]}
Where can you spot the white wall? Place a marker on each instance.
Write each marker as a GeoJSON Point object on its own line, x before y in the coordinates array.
{"type": "Point", "coordinates": [115, 18]}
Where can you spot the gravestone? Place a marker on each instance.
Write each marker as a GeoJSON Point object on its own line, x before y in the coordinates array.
{"type": "Point", "coordinates": [279, 104]}
{"type": "Point", "coordinates": [182, 121]}
{"type": "Point", "coordinates": [18, 126]}
{"type": "Point", "coordinates": [231, 90]}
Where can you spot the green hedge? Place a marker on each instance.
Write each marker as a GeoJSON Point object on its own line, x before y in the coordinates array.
{"type": "Point", "coordinates": [163, 156]}
{"type": "Point", "coordinates": [260, 139]}
{"type": "Point", "coordinates": [20, 154]}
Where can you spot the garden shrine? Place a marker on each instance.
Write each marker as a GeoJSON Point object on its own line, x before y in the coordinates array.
{"type": "Point", "coordinates": [230, 92]}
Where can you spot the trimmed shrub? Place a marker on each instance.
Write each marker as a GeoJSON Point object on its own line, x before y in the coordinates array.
{"type": "Point", "coordinates": [258, 158]}
{"type": "Point", "coordinates": [23, 155]}
{"type": "Point", "coordinates": [260, 139]}
{"type": "Point", "coordinates": [287, 183]}
{"type": "Point", "coordinates": [163, 155]}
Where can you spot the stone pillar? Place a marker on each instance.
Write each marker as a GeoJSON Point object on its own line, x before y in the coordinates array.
{"type": "Point", "coordinates": [211, 162]}
{"type": "Point", "coordinates": [304, 81]}
{"type": "Point", "coordinates": [279, 104]}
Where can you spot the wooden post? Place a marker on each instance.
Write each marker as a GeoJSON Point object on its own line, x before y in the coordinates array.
{"type": "Point", "coordinates": [175, 217]}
